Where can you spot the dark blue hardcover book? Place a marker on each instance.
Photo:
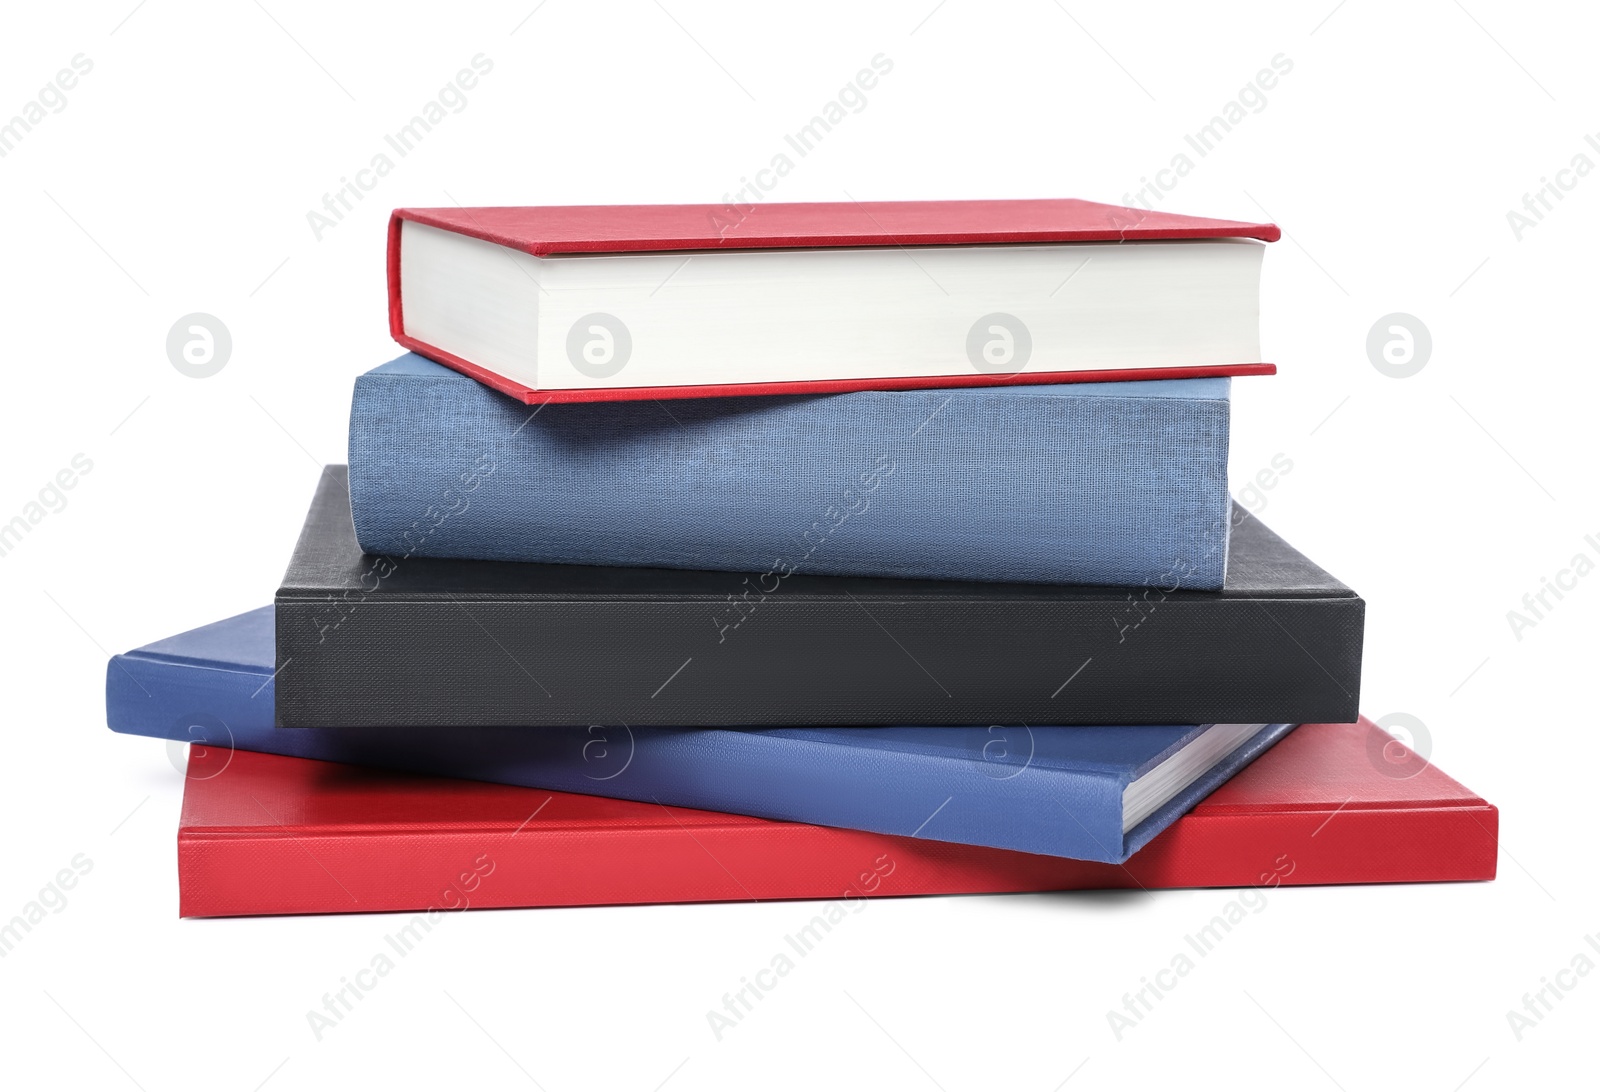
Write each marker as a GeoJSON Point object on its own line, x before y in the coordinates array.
{"type": "Point", "coordinates": [1081, 483]}
{"type": "Point", "coordinates": [1094, 793]}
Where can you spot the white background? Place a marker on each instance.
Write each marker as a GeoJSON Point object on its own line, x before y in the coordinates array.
{"type": "Point", "coordinates": [177, 179]}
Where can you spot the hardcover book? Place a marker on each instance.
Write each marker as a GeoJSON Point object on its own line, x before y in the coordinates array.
{"type": "Point", "coordinates": [267, 834]}
{"type": "Point", "coordinates": [1094, 483]}
{"type": "Point", "coordinates": [595, 303]}
{"type": "Point", "coordinates": [1084, 792]}
{"type": "Point", "coordinates": [367, 640]}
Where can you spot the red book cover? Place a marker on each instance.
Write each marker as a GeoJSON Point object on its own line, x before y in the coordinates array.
{"type": "Point", "coordinates": [619, 229]}
{"type": "Point", "coordinates": [266, 834]}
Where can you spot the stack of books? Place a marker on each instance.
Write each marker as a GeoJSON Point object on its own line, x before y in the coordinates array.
{"type": "Point", "coordinates": [848, 550]}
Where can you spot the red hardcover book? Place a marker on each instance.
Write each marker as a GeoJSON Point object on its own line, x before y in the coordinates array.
{"type": "Point", "coordinates": [597, 303]}
{"type": "Point", "coordinates": [266, 834]}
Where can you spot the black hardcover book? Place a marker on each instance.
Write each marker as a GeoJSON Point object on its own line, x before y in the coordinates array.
{"type": "Point", "coordinates": [365, 640]}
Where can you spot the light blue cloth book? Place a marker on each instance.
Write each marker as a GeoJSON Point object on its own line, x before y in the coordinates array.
{"type": "Point", "coordinates": [1094, 793]}
{"type": "Point", "coordinates": [1078, 483]}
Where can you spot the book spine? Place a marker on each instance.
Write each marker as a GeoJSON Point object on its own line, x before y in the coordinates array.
{"type": "Point", "coordinates": [814, 662]}
{"type": "Point", "coordinates": [433, 873]}
{"type": "Point", "coordinates": [1106, 488]}
{"type": "Point", "coordinates": [970, 798]}
{"type": "Point", "coordinates": [151, 696]}
{"type": "Point", "coordinates": [1328, 845]}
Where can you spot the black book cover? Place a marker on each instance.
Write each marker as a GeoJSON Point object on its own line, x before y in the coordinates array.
{"type": "Point", "coordinates": [391, 641]}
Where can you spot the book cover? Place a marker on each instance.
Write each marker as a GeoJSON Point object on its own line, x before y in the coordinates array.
{"type": "Point", "coordinates": [543, 232]}
{"type": "Point", "coordinates": [622, 229]}
{"type": "Point", "coordinates": [269, 834]}
{"type": "Point", "coordinates": [1051, 790]}
{"type": "Point", "coordinates": [390, 641]}
{"type": "Point", "coordinates": [1095, 483]}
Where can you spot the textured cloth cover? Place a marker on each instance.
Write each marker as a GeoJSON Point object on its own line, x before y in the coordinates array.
{"type": "Point", "coordinates": [1090, 483]}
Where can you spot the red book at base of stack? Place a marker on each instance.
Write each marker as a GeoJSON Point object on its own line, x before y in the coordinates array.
{"type": "Point", "coordinates": [266, 834]}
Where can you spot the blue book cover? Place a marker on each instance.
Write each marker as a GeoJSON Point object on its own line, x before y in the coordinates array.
{"type": "Point", "coordinates": [1078, 483]}
{"type": "Point", "coordinates": [1093, 793]}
